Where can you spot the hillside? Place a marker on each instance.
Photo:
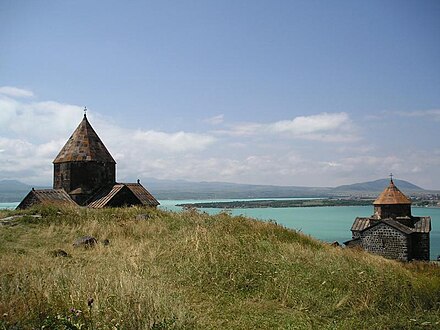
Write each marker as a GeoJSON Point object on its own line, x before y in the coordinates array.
{"type": "Point", "coordinates": [189, 270]}
{"type": "Point", "coordinates": [13, 185]}
{"type": "Point", "coordinates": [378, 185]}
{"type": "Point", "coordinates": [181, 189]}
{"type": "Point", "coordinates": [13, 190]}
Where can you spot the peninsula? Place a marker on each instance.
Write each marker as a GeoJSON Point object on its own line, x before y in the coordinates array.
{"type": "Point", "coordinates": [276, 203]}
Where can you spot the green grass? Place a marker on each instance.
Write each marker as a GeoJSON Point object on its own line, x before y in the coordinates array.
{"type": "Point", "coordinates": [190, 270]}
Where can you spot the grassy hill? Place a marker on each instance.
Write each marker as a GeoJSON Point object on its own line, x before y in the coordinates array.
{"type": "Point", "coordinates": [190, 270]}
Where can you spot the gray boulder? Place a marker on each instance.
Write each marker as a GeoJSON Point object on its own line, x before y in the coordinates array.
{"type": "Point", "coordinates": [85, 241]}
{"type": "Point", "coordinates": [144, 216]}
{"type": "Point", "coordinates": [59, 253]}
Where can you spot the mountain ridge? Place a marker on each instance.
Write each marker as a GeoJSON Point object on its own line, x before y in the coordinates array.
{"type": "Point", "coordinates": [14, 190]}
{"type": "Point", "coordinates": [376, 184]}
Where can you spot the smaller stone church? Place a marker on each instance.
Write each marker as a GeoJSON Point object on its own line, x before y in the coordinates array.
{"type": "Point", "coordinates": [392, 231]}
{"type": "Point", "coordinates": [85, 174]}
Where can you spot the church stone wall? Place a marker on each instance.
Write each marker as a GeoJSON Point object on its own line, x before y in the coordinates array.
{"type": "Point", "coordinates": [420, 245]}
{"type": "Point", "coordinates": [29, 201]}
{"type": "Point", "coordinates": [392, 211]}
{"type": "Point", "coordinates": [89, 176]}
{"type": "Point", "coordinates": [61, 176]}
{"type": "Point", "coordinates": [387, 242]}
{"type": "Point", "coordinates": [124, 198]}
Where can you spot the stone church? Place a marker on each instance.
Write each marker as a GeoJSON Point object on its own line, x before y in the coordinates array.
{"type": "Point", "coordinates": [85, 174]}
{"type": "Point", "coordinates": [392, 231]}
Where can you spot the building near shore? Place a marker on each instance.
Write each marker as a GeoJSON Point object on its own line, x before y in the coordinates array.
{"type": "Point", "coordinates": [392, 231]}
{"type": "Point", "coordinates": [85, 174]}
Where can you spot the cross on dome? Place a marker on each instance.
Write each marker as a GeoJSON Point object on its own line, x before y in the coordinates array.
{"type": "Point", "coordinates": [391, 176]}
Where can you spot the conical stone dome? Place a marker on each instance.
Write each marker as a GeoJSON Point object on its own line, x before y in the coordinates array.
{"type": "Point", "coordinates": [84, 165]}
{"type": "Point", "coordinates": [392, 203]}
{"type": "Point", "coordinates": [392, 195]}
{"type": "Point", "coordinates": [83, 146]}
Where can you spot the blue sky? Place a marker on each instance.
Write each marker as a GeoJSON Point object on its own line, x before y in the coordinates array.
{"type": "Point", "coordinates": [315, 93]}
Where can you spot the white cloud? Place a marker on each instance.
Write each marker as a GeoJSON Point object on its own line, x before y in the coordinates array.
{"type": "Point", "coordinates": [32, 133]}
{"type": "Point", "coordinates": [303, 125]}
{"type": "Point", "coordinates": [35, 120]}
{"type": "Point", "coordinates": [195, 167]}
{"type": "Point", "coordinates": [173, 142]}
{"type": "Point", "coordinates": [244, 129]}
{"type": "Point", "coordinates": [433, 114]}
{"type": "Point", "coordinates": [24, 160]}
{"type": "Point", "coordinates": [324, 127]}
{"type": "Point", "coordinates": [215, 120]}
{"type": "Point", "coordinates": [407, 165]}
{"type": "Point", "coordinates": [15, 92]}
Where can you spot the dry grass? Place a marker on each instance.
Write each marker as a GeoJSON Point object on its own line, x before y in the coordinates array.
{"type": "Point", "coordinates": [190, 270]}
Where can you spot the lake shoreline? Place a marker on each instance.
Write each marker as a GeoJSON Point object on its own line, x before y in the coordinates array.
{"type": "Point", "coordinates": [274, 203]}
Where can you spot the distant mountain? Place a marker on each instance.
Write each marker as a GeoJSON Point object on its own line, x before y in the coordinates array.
{"type": "Point", "coordinates": [378, 185]}
{"type": "Point", "coordinates": [14, 191]}
{"type": "Point", "coordinates": [13, 185]}
{"type": "Point", "coordinates": [181, 189]}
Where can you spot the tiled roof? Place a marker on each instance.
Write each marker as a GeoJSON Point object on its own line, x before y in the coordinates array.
{"type": "Point", "coordinates": [84, 145]}
{"type": "Point", "coordinates": [45, 196]}
{"type": "Point", "coordinates": [396, 225]}
{"type": "Point", "coordinates": [142, 194]}
{"type": "Point", "coordinates": [51, 195]}
{"type": "Point", "coordinates": [392, 195]}
{"type": "Point", "coordinates": [360, 224]}
{"type": "Point", "coordinates": [421, 224]}
{"type": "Point", "coordinates": [105, 195]}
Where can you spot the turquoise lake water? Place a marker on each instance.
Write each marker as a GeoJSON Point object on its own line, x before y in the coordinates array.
{"type": "Point", "coordinates": [325, 223]}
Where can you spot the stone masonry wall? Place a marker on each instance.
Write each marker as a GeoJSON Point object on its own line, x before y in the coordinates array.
{"type": "Point", "coordinates": [28, 201]}
{"type": "Point", "coordinates": [420, 246]}
{"type": "Point", "coordinates": [392, 211]}
{"type": "Point", "coordinates": [387, 242]}
{"type": "Point", "coordinates": [90, 176]}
